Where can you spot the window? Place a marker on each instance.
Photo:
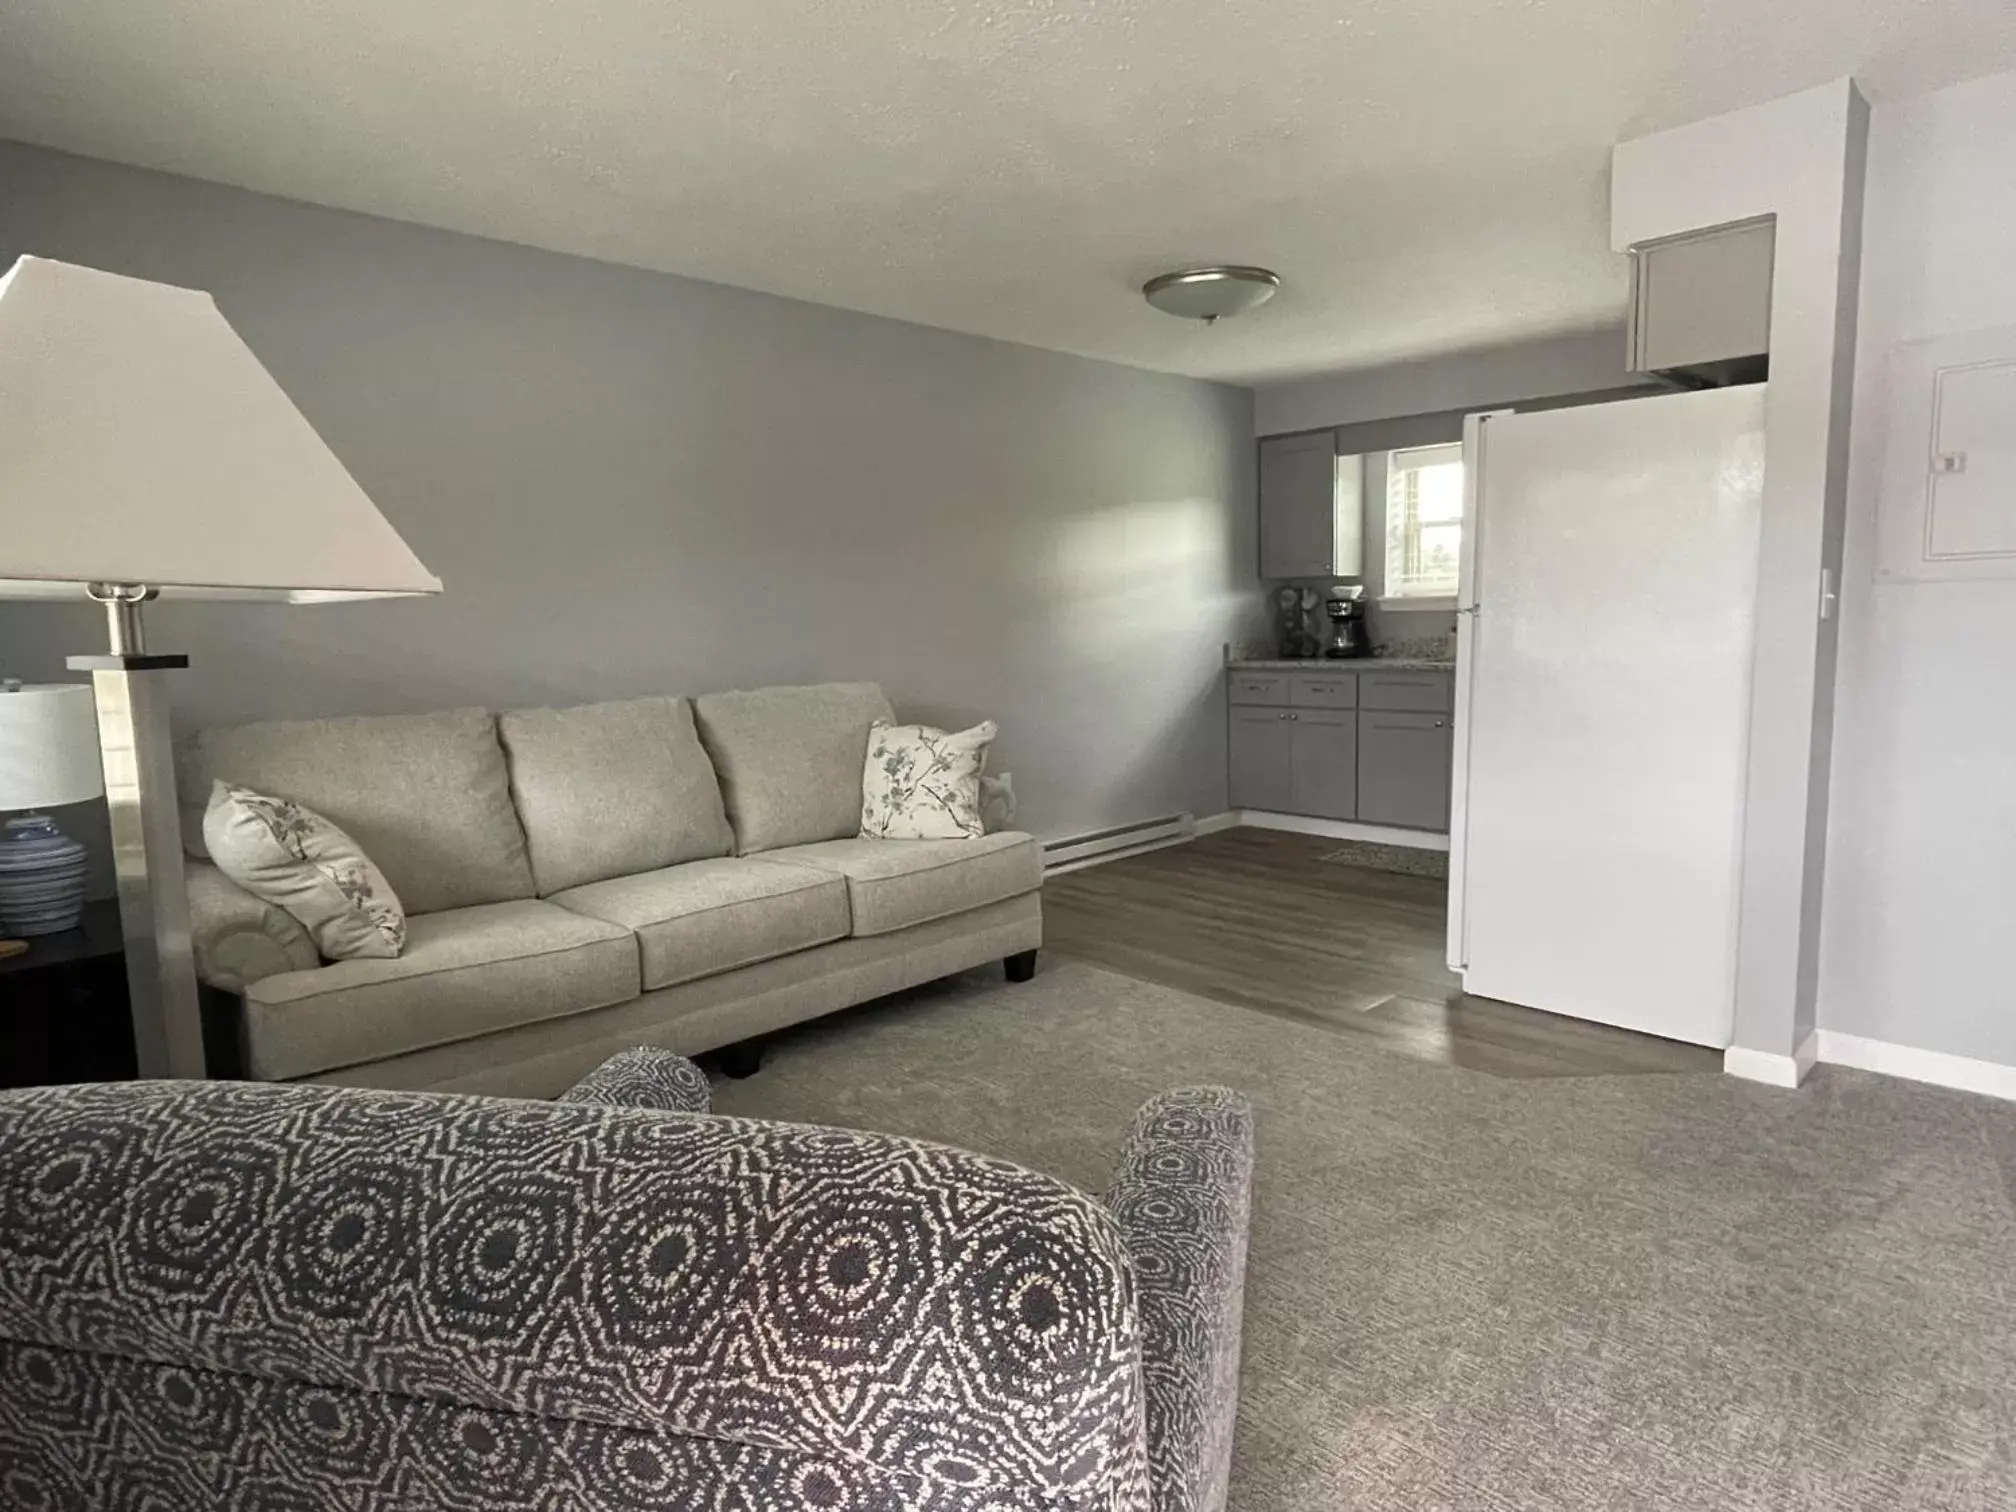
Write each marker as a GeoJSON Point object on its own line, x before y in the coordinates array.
{"type": "Point", "coordinates": [1424, 521]}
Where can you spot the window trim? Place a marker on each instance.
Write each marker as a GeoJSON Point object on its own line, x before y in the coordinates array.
{"type": "Point", "coordinates": [1439, 598]}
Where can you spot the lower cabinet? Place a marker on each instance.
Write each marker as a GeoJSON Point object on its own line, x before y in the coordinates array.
{"type": "Point", "coordinates": [1366, 744]}
{"type": "Point", "coordinates": [1403, 770]}
{"type": "Point", "coordinates": [1295, 761]}
{"type": "Point", "coordinates": [1261, 762]}
{"type": "Point", "coordinates": [1323, 750]}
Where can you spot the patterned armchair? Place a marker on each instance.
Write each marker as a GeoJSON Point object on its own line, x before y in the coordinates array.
{"type": "Point", "coordinates": [298, 1299]}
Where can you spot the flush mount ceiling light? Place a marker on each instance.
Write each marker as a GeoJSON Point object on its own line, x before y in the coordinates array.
{"type": "Point", "coordinates": [1209, 294]}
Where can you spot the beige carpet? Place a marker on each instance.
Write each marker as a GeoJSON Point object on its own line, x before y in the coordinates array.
{"type": "Point", "coordinates": [1614, 1292]}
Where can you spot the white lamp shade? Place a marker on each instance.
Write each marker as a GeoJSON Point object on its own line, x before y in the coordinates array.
{"type": "Point", "coordinates": [48, 746]}
{"type": "Point", "coordinates": [142, 442]}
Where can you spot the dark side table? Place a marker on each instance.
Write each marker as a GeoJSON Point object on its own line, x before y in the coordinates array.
{"type": "Point", "coordinates": [63, 1008]}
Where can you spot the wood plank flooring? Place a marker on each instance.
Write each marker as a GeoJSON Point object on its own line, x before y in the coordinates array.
{"type": "Point", "coordinates": [1256, 919]}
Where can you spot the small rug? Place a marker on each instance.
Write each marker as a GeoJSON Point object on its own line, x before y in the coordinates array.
{"type": "Point", "coordinates": [1407, 860]}
{"type": "Point", "coordinates": [1470, 1294]}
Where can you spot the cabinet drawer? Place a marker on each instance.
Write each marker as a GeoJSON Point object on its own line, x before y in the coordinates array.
{"type": "Point", "coordinates": [1270, 688]}
{"type": "Point", "coordinates": [1405, 692]}
{"type": "Point", "coordinates": [1335, 691]}
{"type": "Point", "coordinates": [1380, 719]}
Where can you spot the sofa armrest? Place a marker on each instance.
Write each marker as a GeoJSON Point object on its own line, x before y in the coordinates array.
{"type": "Point", "coordinates": [1182, 1197]}
{"type": "Point", "coordinates": [644, 1078]}
{"type": "Point", "coordinates": [237, 938]}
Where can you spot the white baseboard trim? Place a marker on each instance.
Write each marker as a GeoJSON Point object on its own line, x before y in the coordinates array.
{"type": "Point", "coordinates": [1342, 829]}
{"type": "Point", "coordinates": [1764, 1066]}
{"type": "Point", "coordinates": [1211, 824]}
{"type": "Point", "coordinates": [1934, 1066]}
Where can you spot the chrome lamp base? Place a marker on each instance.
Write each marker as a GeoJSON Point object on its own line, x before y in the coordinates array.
{"type": "Point", "coordinates": [135, 744]}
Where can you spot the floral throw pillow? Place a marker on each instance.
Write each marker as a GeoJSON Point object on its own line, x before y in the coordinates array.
{"type": "Point", "coordinates": [923, 784]}
{"type": "Point", "coordinates": [296, 860]}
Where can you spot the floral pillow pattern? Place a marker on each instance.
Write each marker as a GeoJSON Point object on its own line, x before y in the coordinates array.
{"type": "Point", "coordinates": [298, 861]}
{"type": "Point", "coordinates": [923, 784]}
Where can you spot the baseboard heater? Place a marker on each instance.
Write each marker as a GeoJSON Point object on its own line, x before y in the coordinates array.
{"type": "Point", "coordinates": [1121, 840]}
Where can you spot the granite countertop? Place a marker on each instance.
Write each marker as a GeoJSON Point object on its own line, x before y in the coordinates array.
{"type": "Point", "coordinates": [1342, 664]}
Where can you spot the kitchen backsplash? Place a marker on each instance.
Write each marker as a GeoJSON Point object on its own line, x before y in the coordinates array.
{"type": "Point", "coordinates": [1415, 634]}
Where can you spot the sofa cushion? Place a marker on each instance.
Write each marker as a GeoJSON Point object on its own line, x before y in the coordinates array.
{"type": "Point", "coordinates": [892, 884]}
{"type": "Point", "coordinates": [427, 796]}
{"type": "Point", "coordinates": [464, 972]}
{"type": "Point", "coordinates": [790, 759]}
{"type": "Point", "coordinates": [605, 790]}
{"type": "Point", "coordinates": [712, 916]}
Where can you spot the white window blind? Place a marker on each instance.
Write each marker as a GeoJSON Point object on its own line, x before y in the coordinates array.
{"type": "Point", "coordinates": [1424, 521]}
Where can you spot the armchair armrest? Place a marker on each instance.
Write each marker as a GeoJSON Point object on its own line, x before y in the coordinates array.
{"type": "Point", "coordinates": [644, 1078]}
{"type": "Point", "coordinates": [1182, 1197]}
{"type": "Point", "coordinates": [237, 938]}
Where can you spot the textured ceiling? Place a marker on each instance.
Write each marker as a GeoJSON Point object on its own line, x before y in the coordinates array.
{"type": "Point", "coordinates": [1424, 174]}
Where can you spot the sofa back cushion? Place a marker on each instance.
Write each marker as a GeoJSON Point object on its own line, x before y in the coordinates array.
{"type": "Point", "coordinates": [790, 759]}
{"type": "Point", "coordinates": [426, 796]}
{"type": "Point", "coordinates": [611, 789]}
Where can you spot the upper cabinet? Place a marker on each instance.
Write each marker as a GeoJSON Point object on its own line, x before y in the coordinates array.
{"type": "Point", "coordinates": [1701, 304]}
{"type": "Point", "coordinates": [1312, 512]}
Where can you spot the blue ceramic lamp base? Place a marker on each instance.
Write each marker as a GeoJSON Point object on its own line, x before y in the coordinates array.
{"type": "Point", "coordinates": [41, 878]}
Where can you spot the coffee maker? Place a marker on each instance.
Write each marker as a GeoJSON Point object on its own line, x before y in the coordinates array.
{"type": "Point", "coordinates": [1344, 607]}
{"type": "Point", "coordinates": [1295, 621]}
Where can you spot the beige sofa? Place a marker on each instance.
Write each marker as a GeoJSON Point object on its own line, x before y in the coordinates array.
{"type": "Point", "coordinates": [581, 880]}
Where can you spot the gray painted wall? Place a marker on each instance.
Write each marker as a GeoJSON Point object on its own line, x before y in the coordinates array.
{"type": "Point", "coordinates": [1920, 893]}
{"type": "Point", "coordinates": [633, 483]}
{"type": "Point", "coordinates": [1581, 362]}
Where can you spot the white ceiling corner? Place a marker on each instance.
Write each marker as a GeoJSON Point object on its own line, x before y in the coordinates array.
{"type": "Point", "coordinates": [1426, 175]}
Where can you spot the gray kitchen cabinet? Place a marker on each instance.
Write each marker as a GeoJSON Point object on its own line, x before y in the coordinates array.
{"type": "Point", "coordinates": [1260, 761]}
{"type": "Point", "coordinates": [1701, 302]}
{"type": "Point", "coordinates": [1406, 692]}
{"type": "Point", "coordinates": [1260, 688]}
{"type": "Point", "coordinates": [1312, 515]}
{"type": "Point", "coordinates": [1329, 691]}
{"type": "Point", "coordinates": [1368, 743]}
{"type": "Point", "coordinates": [1323, 758]}
{"type": "Point", "coordinates": [1403, 769]}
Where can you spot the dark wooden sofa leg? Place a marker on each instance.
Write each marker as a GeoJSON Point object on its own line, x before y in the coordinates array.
{"type": "Point", "coordinates": [1020, 966]}
{"type": "Point", "coordinates": [740, 1060]}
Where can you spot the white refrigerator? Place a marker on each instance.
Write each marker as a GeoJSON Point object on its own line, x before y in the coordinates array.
{"type": "Point", "coordinates": [1606, 616]}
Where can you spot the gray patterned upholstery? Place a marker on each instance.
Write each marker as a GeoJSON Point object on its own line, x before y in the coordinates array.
{"type": "Point", "coordinates": [1182, 1197]}
{"type": "Point", "coordinates": [239, 1296]}
{"type": "Point", "coordinates": [645, 1078]}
